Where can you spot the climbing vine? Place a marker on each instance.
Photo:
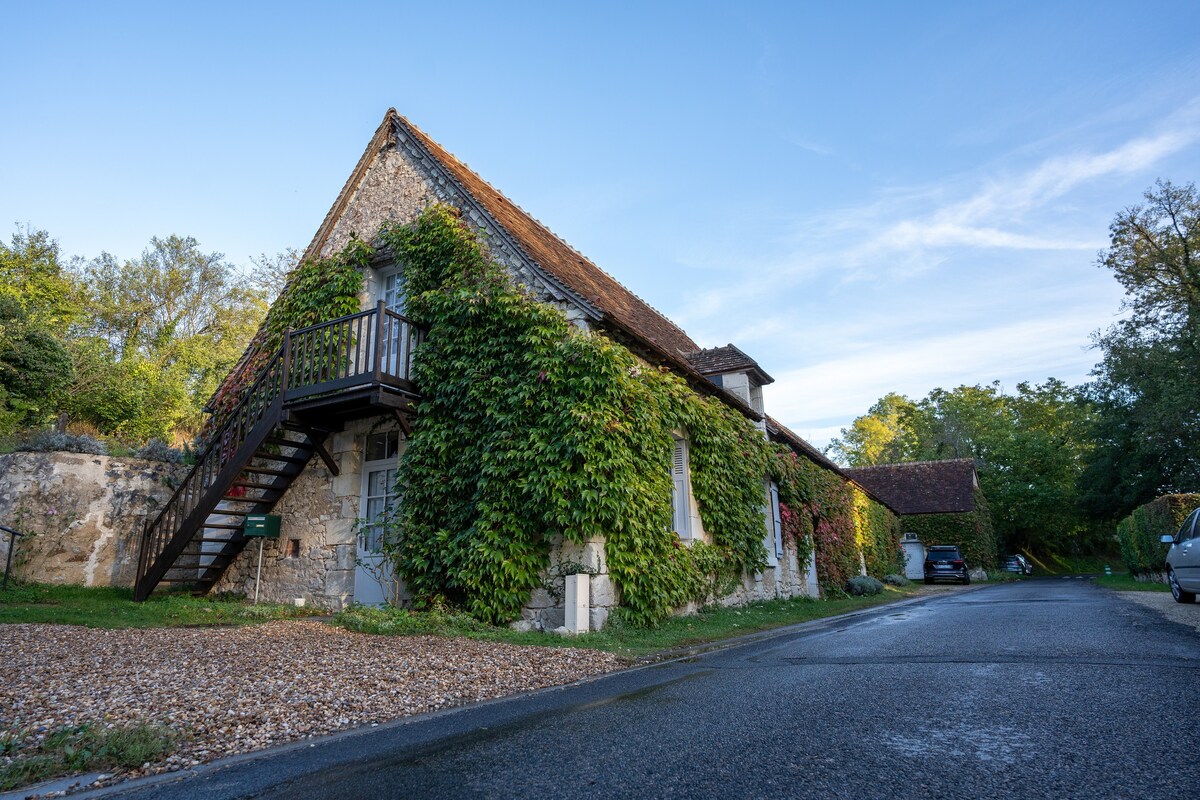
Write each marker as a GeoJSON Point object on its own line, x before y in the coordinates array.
{"type": "Point", "coordinates": [529, 429]}
{"type": "Point", "coordinates": [838, 519]}
{"type": "Point", "coordinates": [971, 530]}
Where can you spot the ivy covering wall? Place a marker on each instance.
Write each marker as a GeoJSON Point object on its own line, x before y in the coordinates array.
{"type": "Point", "coordinates": [529, 428]}
{"type": "Point", "coordinates": [1138, 533]}
{"type": "Point", "coordinates": [971, 531]}
{"type": "Point", "coordinates": [839, 519]}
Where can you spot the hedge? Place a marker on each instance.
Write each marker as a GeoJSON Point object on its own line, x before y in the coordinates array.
{"type": "Point", "coordinates": [971, 531]}
{"type": "Point", "coordinates": [1138, 533]}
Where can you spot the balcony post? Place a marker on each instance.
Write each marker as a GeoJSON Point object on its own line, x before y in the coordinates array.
{"type": "Point", "coordinates": [285, 364]}
{"type": "Point", "coordinates": [379, 315]}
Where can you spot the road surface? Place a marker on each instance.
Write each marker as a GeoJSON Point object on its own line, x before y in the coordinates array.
{"type": "Point", "coordinates": [1040, 688]}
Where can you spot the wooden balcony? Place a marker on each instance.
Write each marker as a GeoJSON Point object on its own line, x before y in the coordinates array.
{"type": "Point", "coordinates": [348, 368]}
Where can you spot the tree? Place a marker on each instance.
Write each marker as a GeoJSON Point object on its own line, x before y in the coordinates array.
{"type": "Point", "coordinates": [35, 369]}
{"type": "Point", "coordinates": [1147, 385]}
{"type": "Point", "coordinates": [38, 299]}
{"type": "Point", "coordinates": [1154, 252]}
{"type": "Point", "coordinates": [881, 436]}
{"type": "Point", "coordinates": [1029, 448]}
{"type": "Point", "coordinates": [163, 330]}
{"type": "Point", "coordinates": [48, 295]}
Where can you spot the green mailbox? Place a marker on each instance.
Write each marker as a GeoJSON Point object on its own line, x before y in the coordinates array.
{"type": "Point", "coordinates": [265, 526]}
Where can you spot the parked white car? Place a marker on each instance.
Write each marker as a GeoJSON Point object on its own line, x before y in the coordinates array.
{"type": "Point", "coordinates": [1183, 559]}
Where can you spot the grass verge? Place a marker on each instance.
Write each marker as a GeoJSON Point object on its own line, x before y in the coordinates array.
{"type": "Point", "coordinates": [88, 748]}
{"type": "Point", "coordinates": [106, 607]}
{"type": "Point", "coordinates": [1124, 582]}
{"type": "Point", "coordinates": [711, 624]}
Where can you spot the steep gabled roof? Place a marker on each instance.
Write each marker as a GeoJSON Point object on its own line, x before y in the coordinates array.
{"type": "Point", "coordinates": [610, 303]}
{"type": "Point", "coordinates": [720, 360]}
{"type": "Point", "coordinates": [781, 433]}
{"type": "Point", "coordinates": [536, 242]}
{"type": "Point", "coordinates": [600, 295]}
{"type": "Point", "coordinates": [922, 487]}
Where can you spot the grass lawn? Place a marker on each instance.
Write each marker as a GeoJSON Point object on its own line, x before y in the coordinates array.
{"type": "Point", "coordinates": [103, 607]}
{"type": "Point", "coordinates": [1124, 582]}
{"type": "Point", "coordinates": [711, 624]}
{"type": "Point", "coordinates": [114, 608]}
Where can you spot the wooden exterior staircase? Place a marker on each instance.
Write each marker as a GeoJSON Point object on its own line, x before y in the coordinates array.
{"type": "Point", "coordinates": [354, 366]}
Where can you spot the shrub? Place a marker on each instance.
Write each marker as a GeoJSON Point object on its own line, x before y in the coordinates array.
{"type": "Point", "coordinates": [863, 585]}
{"type": "Point", "coordinates": [52, 441]}
{"type": "Point", "coordinates": [896, 580]}
{"type": "Point", "coordinates": [158, 450]}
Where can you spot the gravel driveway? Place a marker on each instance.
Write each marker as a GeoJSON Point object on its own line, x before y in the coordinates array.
{"type": "Point", "coordinates": [1163, 603]}
{"type": "Point", "coordinates": [232, 690]}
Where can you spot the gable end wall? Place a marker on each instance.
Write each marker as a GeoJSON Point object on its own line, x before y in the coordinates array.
{"type": "Point", "coordinates": [400, 183]}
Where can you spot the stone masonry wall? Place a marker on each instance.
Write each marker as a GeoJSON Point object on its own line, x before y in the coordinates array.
{"type": "Point", "coordinates": [399, 184]}
{"type": "Point", "coordinates": [320, 511]}
{"type": "Point", "coordinates": [84, 514]}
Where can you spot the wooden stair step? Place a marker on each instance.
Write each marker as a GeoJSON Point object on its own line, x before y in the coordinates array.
{"type": "Point", "coordinates": [224, 526]}
{"type": "Point", "coordinates": [233, 498]}
{"type": "Point", "coordinates": [303, 444]}
{"type": "Point", "coordinates": [285, 459]}
{"type": "Point", "coordinates": [284, 473]}
{"type": "Point", "coordinates": [257, 485]}
{"type": "Point", "coordinates": [212, 540]}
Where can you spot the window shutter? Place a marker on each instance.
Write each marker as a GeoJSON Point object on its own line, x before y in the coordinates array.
{"type": "Point", "coordinates": [679, 489]}
{"type": "Point", "coordinates": [777, 522]}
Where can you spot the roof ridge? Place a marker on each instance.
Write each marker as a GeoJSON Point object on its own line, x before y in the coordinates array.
{"type": "Point", "coordinates": [919, 461]}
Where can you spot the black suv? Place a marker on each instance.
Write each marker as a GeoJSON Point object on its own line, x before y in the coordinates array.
{"type": "Point", "coordinates": [945, 562]}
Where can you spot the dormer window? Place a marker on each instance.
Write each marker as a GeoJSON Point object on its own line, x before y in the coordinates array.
{"type": "Point", "coordinates": [734, 371]}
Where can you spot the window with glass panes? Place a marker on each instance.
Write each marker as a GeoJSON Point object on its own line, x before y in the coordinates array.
{"type": "Point", "coordinates": [380, 458]}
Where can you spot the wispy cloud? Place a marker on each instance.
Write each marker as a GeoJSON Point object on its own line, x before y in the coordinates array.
{"type": "Point", "coordinates": [856, 378]}
{"type": "Point", "coordinates": [910, 231]}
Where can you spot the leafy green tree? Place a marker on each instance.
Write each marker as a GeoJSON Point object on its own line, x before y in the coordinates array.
{"type": "Point", "coordinates": [881, 436]}
{"type": "Point", "coordinates": [162, 331]}
{"type": "Point", "coordinates": [35, 369]}
{"type": "Point", "coordinates": [1029, 448]}
{"type": "Point", "coordinates": [38, 298]}
{"type": "Point", "coordinates": [1147, 385]}
{"type": "Point", "coordinates": [31, 274]}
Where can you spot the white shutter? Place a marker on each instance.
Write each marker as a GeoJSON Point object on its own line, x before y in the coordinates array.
{"type": "Point", "coordinates": [679, 490]}
{"type": "Point", "coordinates": [777, 527]}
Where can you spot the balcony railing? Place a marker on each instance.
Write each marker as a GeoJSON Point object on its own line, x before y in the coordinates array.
{"type": "Point", "coordinates": [371, 348]}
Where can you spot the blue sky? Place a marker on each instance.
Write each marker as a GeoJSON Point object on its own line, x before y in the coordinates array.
{"type": "Point", "coordinates": [865, 197]}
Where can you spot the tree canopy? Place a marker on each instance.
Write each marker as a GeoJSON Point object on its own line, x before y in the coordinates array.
{"type": "Point", "coordinates": [129, 348]}
{"type": "Point", "coordinates": [1147, 384]}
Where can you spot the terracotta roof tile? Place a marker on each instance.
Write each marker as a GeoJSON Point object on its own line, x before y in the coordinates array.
{"type": "Point", "coordinates": [922, 487]}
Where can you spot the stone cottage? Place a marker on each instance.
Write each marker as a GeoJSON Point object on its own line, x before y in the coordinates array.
{"type": "Point", "coordinates": [939, 502]}
{"type": "Point", "coordinates": [321, 449]}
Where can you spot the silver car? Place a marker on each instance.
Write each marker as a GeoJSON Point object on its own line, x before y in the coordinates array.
{"type": "Point", "coordinates": [1183, 559]}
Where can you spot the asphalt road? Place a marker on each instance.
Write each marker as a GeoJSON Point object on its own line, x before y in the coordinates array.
{"type": "Point", "coordinates": [1041, 688]}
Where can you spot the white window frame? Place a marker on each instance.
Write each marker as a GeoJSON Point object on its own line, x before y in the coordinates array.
{"type": "Point", "coordinates": [392, 271]}
{"type": "Point", "coordinates": [390, 497]}
{"type": "Point", "coordinates": [773, 542]}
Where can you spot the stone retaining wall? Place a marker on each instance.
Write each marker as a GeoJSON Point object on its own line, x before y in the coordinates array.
{"type": "Point", "coordinates": [82, 513]}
